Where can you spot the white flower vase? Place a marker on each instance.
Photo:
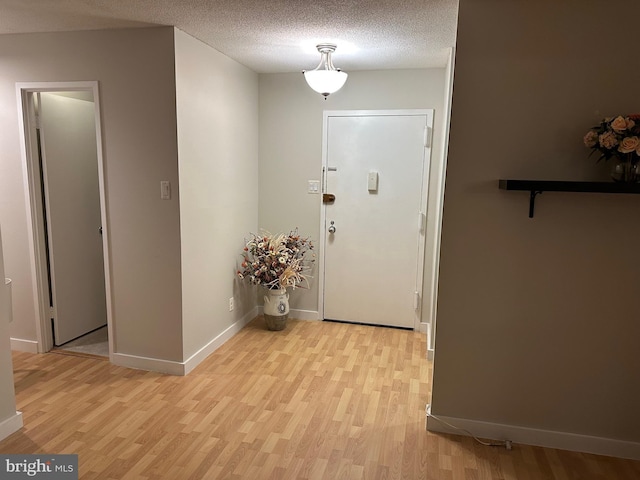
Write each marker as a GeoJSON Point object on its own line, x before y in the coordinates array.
{"type": "Point", "coordinates": [276, 309]}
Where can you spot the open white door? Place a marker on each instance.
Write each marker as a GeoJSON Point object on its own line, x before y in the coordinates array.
{"type": "Point", "coordinates": [375, 165]}
{"type": "Point", "coordinates": [72, 201]}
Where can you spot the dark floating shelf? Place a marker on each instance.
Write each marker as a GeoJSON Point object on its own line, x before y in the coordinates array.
{"type": "Point", "coordinates": [534, 187]}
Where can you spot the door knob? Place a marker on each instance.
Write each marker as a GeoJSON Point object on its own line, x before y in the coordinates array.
{"type": "Point", "coordinates": [332, 227]}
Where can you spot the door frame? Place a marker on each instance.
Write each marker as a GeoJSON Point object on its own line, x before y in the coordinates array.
{"type": "Point", "coordinates": [418, 324]}
{"type": "Point", "coordinates": [35, 208]}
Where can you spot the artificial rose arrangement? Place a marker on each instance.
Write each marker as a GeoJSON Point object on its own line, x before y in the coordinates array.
{"type": "Point", "coordinates": [617, 137]}
{"type": "Point", "coordinates": [277, 261]}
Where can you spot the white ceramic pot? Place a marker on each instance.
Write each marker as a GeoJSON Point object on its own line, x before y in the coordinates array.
{"type": "Point", "coordinates": [276, 309]}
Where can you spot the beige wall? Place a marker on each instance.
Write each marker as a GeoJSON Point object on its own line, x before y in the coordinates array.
{"type": "Point", "coordinates": [217, 111]}
{"type": "Point", "coordinates": [7, 392]}
{"type": "Point", "coordinates": [538, 319]}
{"type": "Point", "coordinates": [135, 69]}
{"type": "Point", "coordinates": [291, 141]}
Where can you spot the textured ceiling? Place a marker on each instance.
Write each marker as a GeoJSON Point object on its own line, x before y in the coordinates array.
{"type": "Point", "coordinates": [268, 36]}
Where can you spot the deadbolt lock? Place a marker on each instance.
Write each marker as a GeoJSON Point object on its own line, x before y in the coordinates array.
{"type": "Point", "coordinates": [328, 198]}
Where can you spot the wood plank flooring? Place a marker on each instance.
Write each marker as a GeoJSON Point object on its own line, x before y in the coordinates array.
{"type": "Point", "coordinates": [319, 401]}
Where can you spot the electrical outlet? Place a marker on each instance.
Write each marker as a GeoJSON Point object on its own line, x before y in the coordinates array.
{"type": "Point", "coordinates": [231, 305]}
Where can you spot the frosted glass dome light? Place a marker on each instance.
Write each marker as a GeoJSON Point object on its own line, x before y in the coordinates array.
{"type": "Point", "coordinates": [325, 79]}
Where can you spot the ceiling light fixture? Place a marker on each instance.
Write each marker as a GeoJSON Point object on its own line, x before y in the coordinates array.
{"type": "Point", "coordinates": [325, 79]}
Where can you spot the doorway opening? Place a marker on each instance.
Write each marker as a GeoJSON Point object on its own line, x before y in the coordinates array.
{"type": "Point", "coordinates": [66, 208]}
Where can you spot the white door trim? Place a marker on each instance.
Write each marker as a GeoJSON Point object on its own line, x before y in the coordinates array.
{"type": "Point", "coordinates": [423, 207]}
{"type": "Point", "coordinates": [34, 208]}
{"type": "Point", "coordinates": [438, 208]}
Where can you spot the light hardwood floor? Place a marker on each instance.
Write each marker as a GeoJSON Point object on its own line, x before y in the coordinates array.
{"type": "Point", "coordinates": [317, 401]}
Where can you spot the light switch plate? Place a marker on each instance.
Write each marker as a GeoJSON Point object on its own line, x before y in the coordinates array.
{"type": "Point", "coordinates": [314, 186]}
{"type": "Point", "coordinates": [165, 190]}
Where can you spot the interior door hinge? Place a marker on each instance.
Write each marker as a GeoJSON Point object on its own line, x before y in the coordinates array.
{"type": "Point", "coordinates": [427, 136]}
{"type": "Point", "coordinates": [51, 312]}
{"type": "Point", "coordinates": [422, 222]}
{"type": "Point", "coordinates": [416, 301]}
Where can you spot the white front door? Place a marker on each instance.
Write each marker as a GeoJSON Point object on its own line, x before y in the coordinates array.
{"type": "Point", "coordinates": [375, 167]}
{"type": "Point", "coordinates": [72, 197]}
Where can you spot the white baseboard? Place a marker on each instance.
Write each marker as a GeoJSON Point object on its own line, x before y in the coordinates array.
{"type": "Point", "coordinates": [298, 314]}
{"type": "Point", "coordinates": [539, 438]}
{"type": "Point", "coordinates": [194, 360]}
{"type": "Point", "coordinates": [10, 425]}
{"type": "Point", "coordinates": [430, 354]}
{"type": "Point", "coordinates": [146, 363]}
{"type": "Point", "coordinates": [182, 368]}
{"type": "Point", "coordinates": [20, 345]}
